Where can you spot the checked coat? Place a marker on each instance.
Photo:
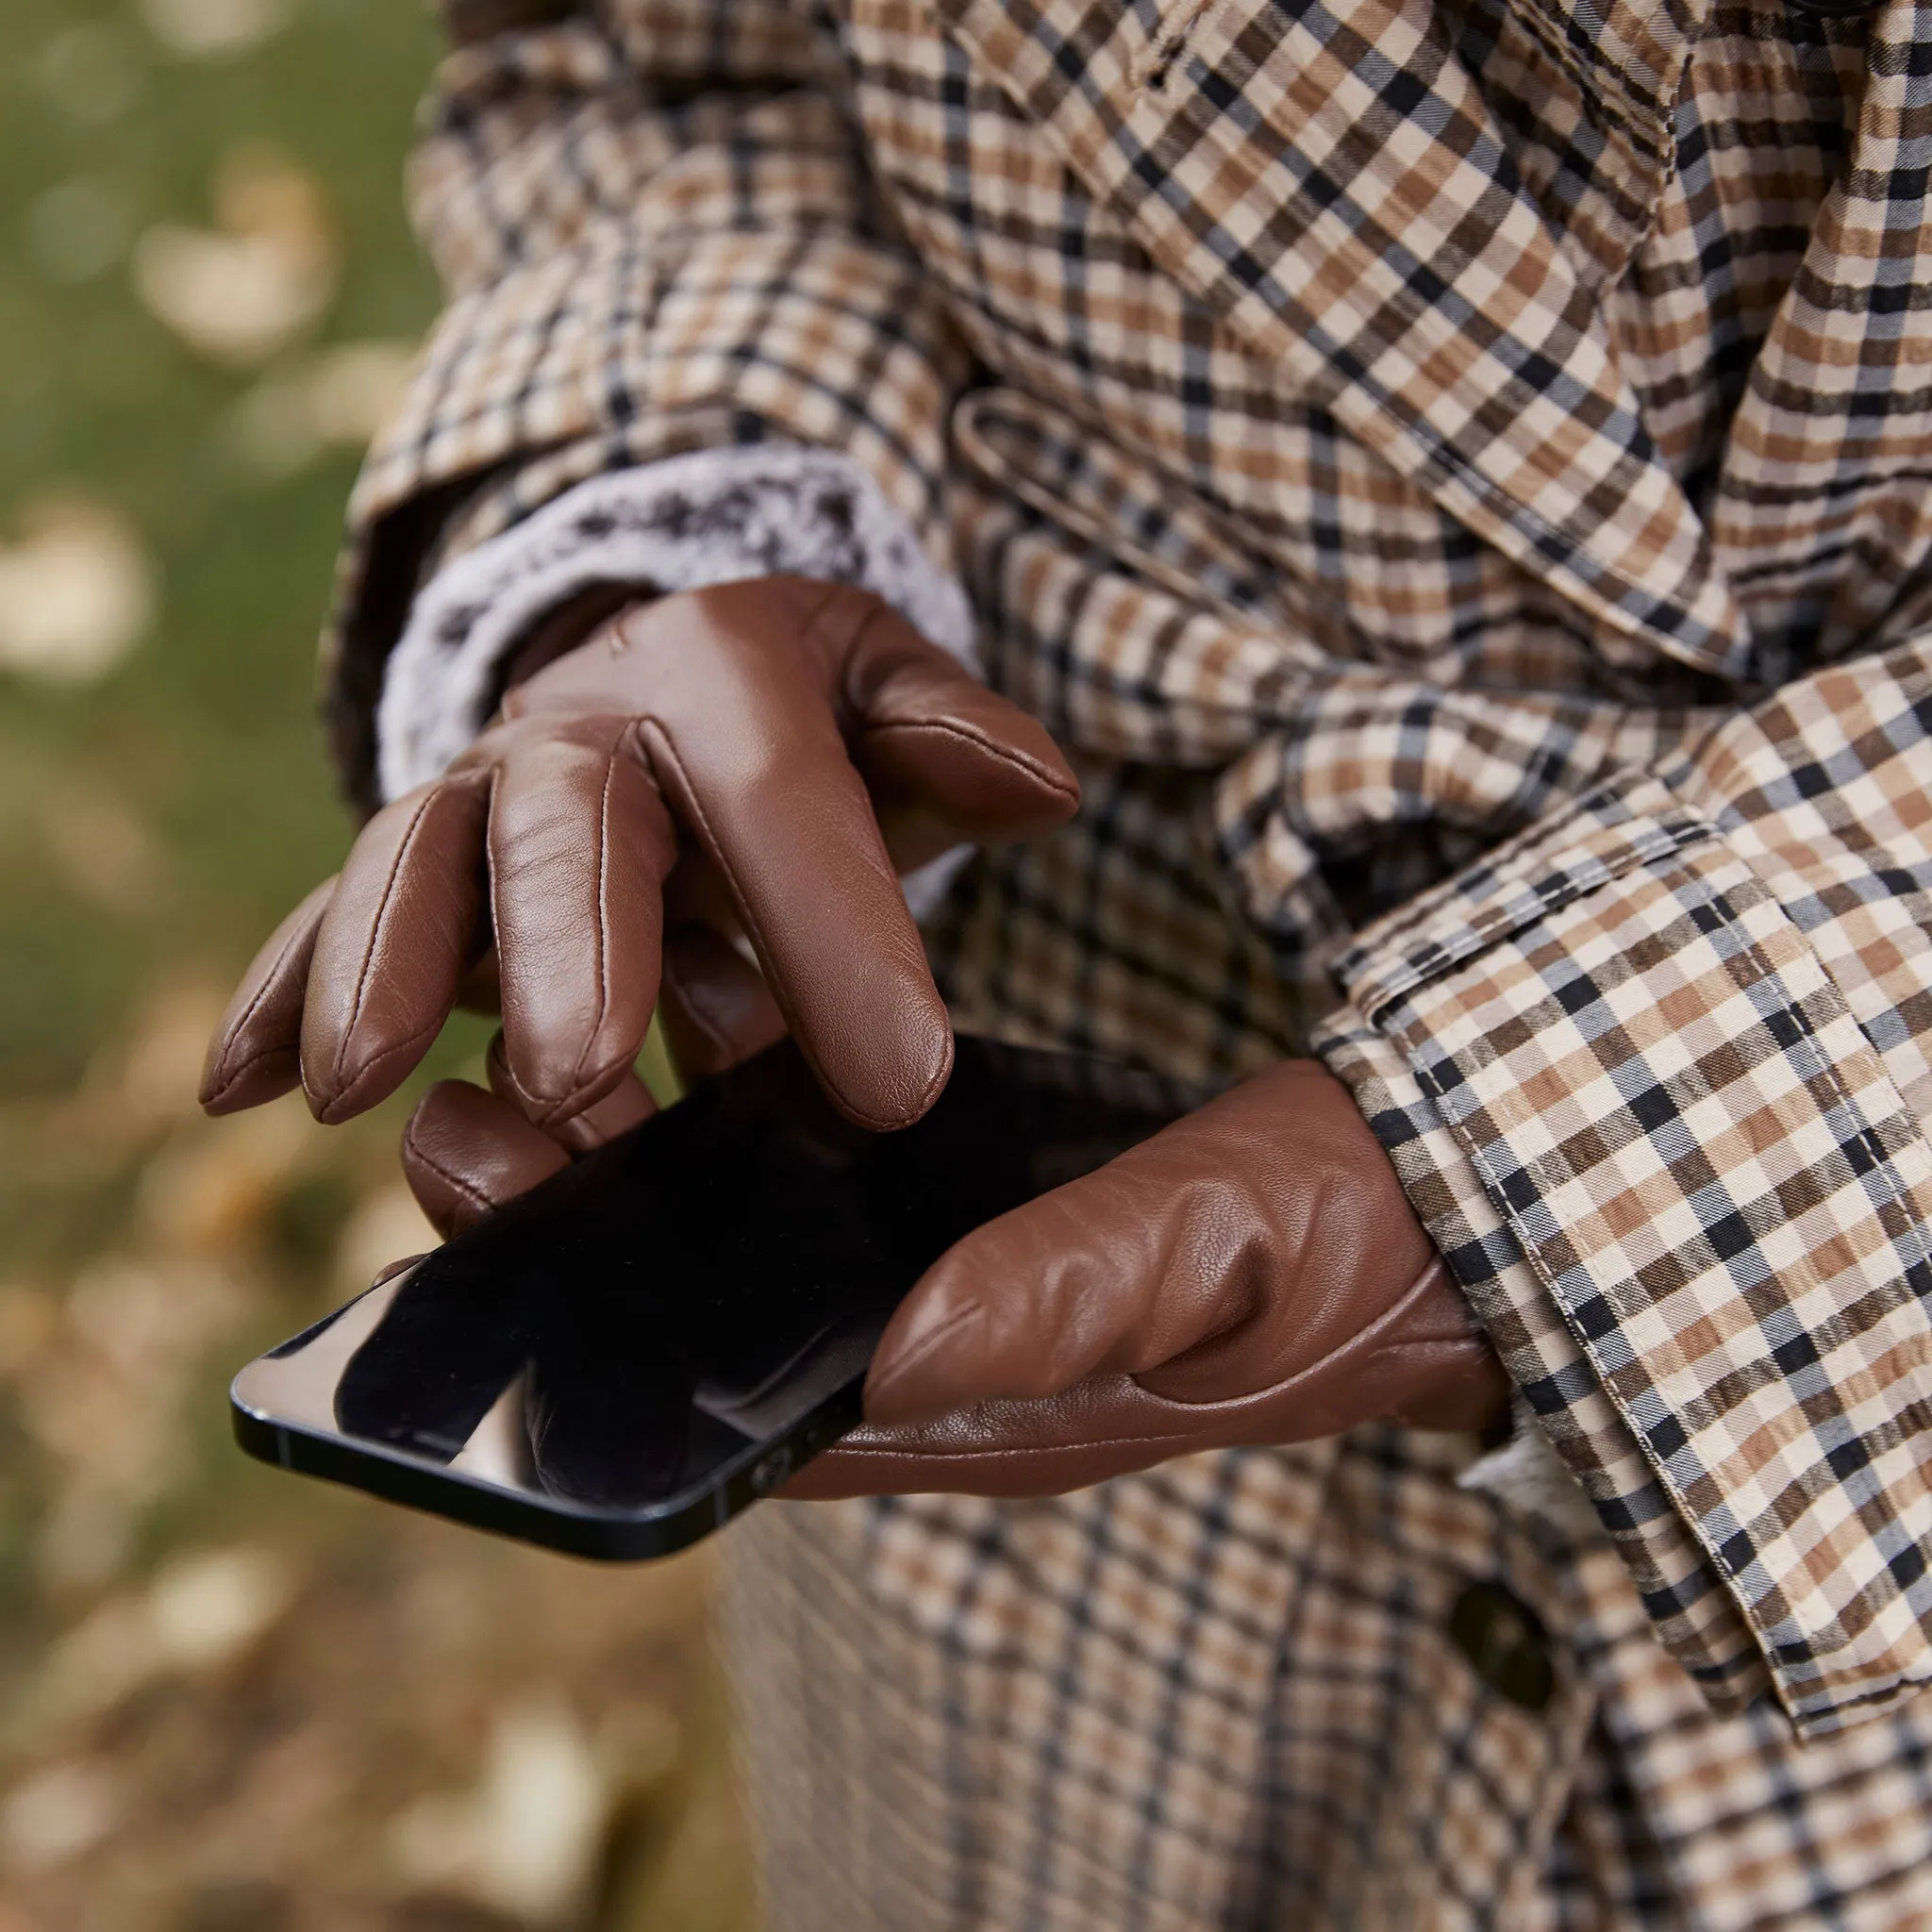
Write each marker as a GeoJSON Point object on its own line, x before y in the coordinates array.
{"type": "Point", "coordinates": [1456, 474]}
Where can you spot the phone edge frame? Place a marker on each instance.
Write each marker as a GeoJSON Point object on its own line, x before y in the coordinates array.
{"type": "Point", "coordinates": [570, 1529]}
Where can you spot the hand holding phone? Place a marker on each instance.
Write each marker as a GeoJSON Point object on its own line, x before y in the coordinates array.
{"type": "Point", "coordinates": [625, 1356]}
{"type": "Point", "coordinates": [1251, 1274]}
{"type": "Point", "coordinates": [1247, 1272]}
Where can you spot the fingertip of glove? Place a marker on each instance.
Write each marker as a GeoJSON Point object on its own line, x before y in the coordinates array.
{"type": "Point", "coordinates": [1047, 762]}
{"type": "Point", "coordinates": [443, 1129]}
{"type": "Point", "coordinates": [265, 1077]}
{"type": "Point", "coordinates": [1053, 778]}
{"type": "Point", "coordinates": [573, 1106]}
{"type": "Point", "coordinates": [885, 1092]}
{"type": "Point", "coordinates": [345, 1096]}
{"type": "Point", "coordinates": [327, 1097]}
{"type": "Point", "coordinates": [627, 1106]}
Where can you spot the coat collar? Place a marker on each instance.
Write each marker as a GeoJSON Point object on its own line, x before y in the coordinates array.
{"type": "Point", "coordinates": [1326, 177]}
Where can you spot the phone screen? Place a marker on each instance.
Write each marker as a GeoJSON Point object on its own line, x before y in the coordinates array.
{"type": "Point", "coordinates": [619, 1361]}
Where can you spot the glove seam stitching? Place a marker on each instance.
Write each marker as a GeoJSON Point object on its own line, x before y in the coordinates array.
{"type": "Point", "coordinates": [225, 1074]}
{"type": "Point", "coordinates": [339, 1107]}
{"type": "Point", "coordinates": [382, 909]}
{"type": "Point", "coordinates": [666, 747]}
{"type": "Point", "coordinates": [602, 926]}
{"type": "Point", "coordinates": [952, 727]}
{"type": "Point", "coordinates": [466, 1187]}
{"type": "Point", "coordinates": [228, 1080]}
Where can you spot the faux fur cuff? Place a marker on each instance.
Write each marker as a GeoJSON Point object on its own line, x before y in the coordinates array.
{"type": "Point", "coordinates": [713, 517]}
{"type": "Point", "coordinates": [1528, 1477]}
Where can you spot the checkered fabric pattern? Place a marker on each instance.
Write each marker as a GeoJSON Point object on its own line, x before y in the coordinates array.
{"type": "Point", "coordinates": [1147, 1750]}
{"type": "Point", "coordinates": [1455, 474]}
{"type": "Point", "coordinates": [1705, 1160]}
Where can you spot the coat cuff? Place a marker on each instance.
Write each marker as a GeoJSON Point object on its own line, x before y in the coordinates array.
{"type": "Point", "coordinates": [711, 517]}
{"type": "Point", "coordinates": [1692, 1209]}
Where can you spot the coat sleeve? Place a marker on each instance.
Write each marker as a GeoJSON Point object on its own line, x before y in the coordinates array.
{"type": "Point", "coordinates": [1656, 1072]}
{"type": "Point", "coordinates": [657, 236]}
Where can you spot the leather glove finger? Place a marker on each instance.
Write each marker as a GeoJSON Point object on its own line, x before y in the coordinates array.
{"type": "Point", "coordinates": [1128, 1268]}
{"type": "Point", "coordinates": [745, 743]}
{"type": "Point", "coordinates": [466, 1152]}
{"type": "Point", "coordinates": [786, 818]}
{"type": "Point", "coordinates": [929, 733]}
{"type": "Point", "coordinates": [625, 1106]}
{"type": "Point", "coordinates": [1262, 1239]}
{"type": "Point", "coordinates": [1094, 1275]}
{"type": "Point", "coordinates": [580, 844]}
{"type": "Point", "coordinates": [716, 1009]}
{"type": "Point", "coordinates": [400, 930]}
{"type": "Point", "coordinates": [255, 1053]}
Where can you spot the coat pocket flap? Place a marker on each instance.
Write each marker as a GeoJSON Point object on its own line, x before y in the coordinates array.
{"type": "Point", "coordinates": [1633, 820]}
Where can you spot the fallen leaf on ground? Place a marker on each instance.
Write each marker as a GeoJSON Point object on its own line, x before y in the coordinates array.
{"type": "Point", "coordinates": [206, 1608]}
{"type": "Point", "coordinates": [526, 1842]}
{"type": "Point", "coordinates": [77, 591]}
{"type": "Point", "coordinates": [337, 400]}
{"type": "Point", "coordinates": [57, 1814]}
{"type": "Point", "coordinates": [201, 1611]}
{"type": "Point", "coordinates": [209, 1192]}
{"type": "Point", "coordinates": [242, 292]}
{"type": "Point", "coordinates": [215, 29]}
{"type": "Point", "coordinates": [107, 1405]}
{"type": "Point", "coordinates": [234, 299]}
{"type": "Point", "coordinates": [154, 1076]}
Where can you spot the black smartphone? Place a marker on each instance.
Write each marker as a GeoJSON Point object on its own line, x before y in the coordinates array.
{"type": "Point", "coordinates": [623, 1359]}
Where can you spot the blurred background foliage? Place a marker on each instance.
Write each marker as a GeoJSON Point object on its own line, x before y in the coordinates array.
{"type": "Point", "coordinates": [229, 1699]}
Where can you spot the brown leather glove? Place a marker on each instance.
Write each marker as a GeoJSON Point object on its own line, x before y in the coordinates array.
{"type": "Point", "coordinates": [1252, 1274]}
{"type": "Point", "coordinates": [731, 754]}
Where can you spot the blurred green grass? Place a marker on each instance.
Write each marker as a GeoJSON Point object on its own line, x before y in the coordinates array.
{"type": "Point", "coordinates": [154, 825]}
{"type": "Point", "coordinates": [208, 733]}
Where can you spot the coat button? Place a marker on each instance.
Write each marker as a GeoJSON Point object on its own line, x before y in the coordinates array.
{"type": "Point", "coordinates": [1506, 1644]}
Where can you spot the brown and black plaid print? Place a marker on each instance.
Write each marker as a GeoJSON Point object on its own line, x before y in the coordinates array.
{"type": "Point", "coordinates": [1458, 474]}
